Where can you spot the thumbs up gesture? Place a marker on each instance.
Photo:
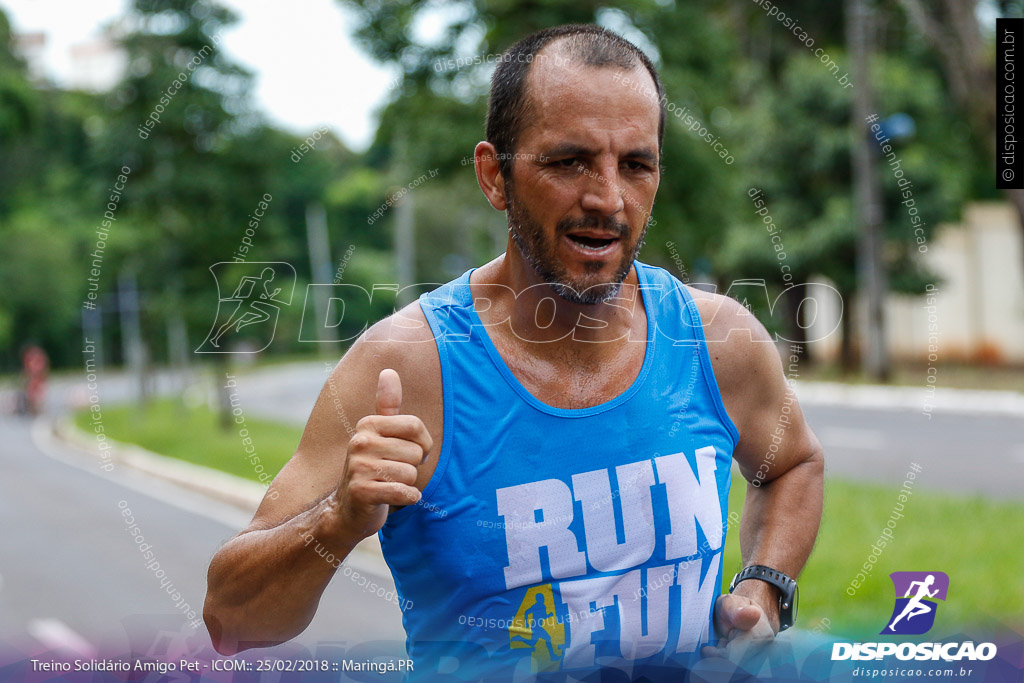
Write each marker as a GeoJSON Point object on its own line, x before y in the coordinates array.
{"type": "Point", "coordinates": [383, 455]}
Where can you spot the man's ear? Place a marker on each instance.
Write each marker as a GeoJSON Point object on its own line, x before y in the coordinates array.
{"type": "Point", "coordinates": [488, 174]}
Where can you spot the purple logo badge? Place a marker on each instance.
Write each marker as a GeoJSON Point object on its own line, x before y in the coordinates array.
{"type": "Point", "coordinates": [916, 593]}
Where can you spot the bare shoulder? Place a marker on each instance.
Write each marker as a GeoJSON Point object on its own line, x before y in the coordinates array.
{"type": "Point", "coordinates": [404, 342]}
{"type": "Point", "coordinates": [743, 355]}
{"type": "Point", "coordinates": [403, 337]}
{"type": "Point", "coordinates": [728, 326]}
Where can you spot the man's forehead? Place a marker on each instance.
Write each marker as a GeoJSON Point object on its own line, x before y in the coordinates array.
{"type": "Point", "coordinates": [558, 63]}
{"type": "Point", "coordinates": [570, 100]}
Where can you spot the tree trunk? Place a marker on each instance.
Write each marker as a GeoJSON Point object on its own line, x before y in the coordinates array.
{"type": "Point", "coordinates": [795, 331]}
{"type": "Point", "coordinates": [221, 368]}
{"type": "Point", "coordinates": [848, 354]}
{"type": "Point", "coordinates": [1016, 198]}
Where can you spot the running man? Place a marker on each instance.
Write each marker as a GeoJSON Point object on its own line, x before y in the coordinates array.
{"type": "Point", "coordinates": [253, 304]}
{"type": "Point", "coordinates": [562, 418]}
{"type": "Point", "coordinates": [915, 606]}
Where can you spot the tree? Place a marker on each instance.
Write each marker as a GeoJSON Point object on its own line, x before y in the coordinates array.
{"type": "Point", "coordinates": [698, 191]}
{"type": "Point", "coordinates": [797, 146]}
{"type": "Point", "coordinates": [42, 144]}
{"type": "Point", "coordinates": [952, 29]}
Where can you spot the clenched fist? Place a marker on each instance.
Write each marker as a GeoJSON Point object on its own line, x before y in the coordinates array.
{"type": "Point", "coordinates": [383, 455]}
{"type": "Point", "coordinates": [743, 627]}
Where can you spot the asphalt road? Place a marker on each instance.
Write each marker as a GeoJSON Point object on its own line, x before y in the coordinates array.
{"type": "Point", "coordinates": [958, 453]}
{"type": "Point", "coordinates": [72, 577]}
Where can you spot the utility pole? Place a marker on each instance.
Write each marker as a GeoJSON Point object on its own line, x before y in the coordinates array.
{"type": "Point", "coordinates": [405, 229]}
{"type": "Point", "coordinates": [405, 245]}
{"type": "Point", "coordinates": [177, 340]}
{"type": "Point", "coordinates": [872, 283]}
{"type": "Point", "coordinates": [320, 264]}
{"type": "Point", "coordinates": [92, 329]}
{"type": "Point", "coordinates": [132, 344]}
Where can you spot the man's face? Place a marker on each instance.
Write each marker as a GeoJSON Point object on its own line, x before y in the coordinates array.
{"type": "Point", "coordinates": [584, 181]}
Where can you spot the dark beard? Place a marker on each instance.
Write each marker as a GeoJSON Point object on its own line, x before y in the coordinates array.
{"type": "Point", "coordinates": [540, 254]}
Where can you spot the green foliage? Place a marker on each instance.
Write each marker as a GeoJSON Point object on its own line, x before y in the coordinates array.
{"type": "Point", "coordinates": [19, 102]}
{"type": "Point", "coordinates": [799, 143]}
{"type": "Point", "coordinates": [40, 267]}
{"type": "Point", "coordinates": [764, 94]}
{"type": "Point", "coordinates": [198, 173]}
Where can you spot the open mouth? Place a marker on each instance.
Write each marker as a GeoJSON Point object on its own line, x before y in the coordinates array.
{"type": "Point", "coordinates": [590, 243]}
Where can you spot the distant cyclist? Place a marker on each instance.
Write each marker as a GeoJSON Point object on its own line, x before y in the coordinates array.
{"type": "Point", "coordinates": [35, 370]}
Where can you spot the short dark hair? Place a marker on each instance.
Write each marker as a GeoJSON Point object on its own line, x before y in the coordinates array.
{"type": "Point", "coordinates": [509, 108]}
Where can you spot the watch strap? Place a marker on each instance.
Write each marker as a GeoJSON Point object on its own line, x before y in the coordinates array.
{"type": "Point", "coordinates": [785, 584]}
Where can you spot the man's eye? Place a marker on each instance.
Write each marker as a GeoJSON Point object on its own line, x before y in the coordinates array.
{"type": "Point", "coordinates": [636, 165]}
{"type": "Point", "coordinates": [567, 163]}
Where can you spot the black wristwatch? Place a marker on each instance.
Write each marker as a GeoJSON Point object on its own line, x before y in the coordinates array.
{"type": "Point", "coordinates": [788, 595]}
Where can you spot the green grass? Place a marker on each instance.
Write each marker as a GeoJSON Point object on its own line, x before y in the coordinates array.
{"type": "Point", "coordinates": [978, 543]}
{"type": "Point", "coordinates": [192, 434]}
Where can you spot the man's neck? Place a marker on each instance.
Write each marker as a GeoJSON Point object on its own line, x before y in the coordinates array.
{"type": "Point", "coordinates": [536, 313]}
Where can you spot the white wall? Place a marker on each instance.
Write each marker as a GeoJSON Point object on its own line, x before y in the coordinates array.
{"type": "Point", "coordinates": [977, 311]}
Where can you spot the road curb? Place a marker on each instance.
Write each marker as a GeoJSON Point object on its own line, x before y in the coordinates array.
{"type": "Point", "coordinates": [227, 488]}
{"type": "Point", "coordinates": [919, 399]}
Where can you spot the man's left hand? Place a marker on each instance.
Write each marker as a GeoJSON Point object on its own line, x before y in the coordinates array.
{"type": "Point", "coordinates": [745, 620]}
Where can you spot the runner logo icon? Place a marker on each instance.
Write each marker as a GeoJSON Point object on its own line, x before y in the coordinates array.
{"type": "Point", "coordinates": [916, 593]}
{"type": "Point", "coordinates": [257, 292]}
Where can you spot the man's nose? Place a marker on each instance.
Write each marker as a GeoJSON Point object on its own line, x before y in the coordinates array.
{"type": "Point", "coordinates": [602, 193]}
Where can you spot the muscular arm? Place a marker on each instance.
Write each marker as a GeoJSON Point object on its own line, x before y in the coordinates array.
{"type": "Point", "coordinates": [264, 584]}
{"type": "Point", "coordinates": [777, 453]}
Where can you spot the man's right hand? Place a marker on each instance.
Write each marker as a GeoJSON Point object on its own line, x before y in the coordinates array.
{"type": "Point", "coordinates": [380, 470]}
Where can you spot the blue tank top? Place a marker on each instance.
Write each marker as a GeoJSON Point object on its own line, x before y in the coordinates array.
{"type": "Point", "coordinates": [566, 540]}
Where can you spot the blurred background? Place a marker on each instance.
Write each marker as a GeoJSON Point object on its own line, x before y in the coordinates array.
{"type": "Point", "coordinates": [358, 119]}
